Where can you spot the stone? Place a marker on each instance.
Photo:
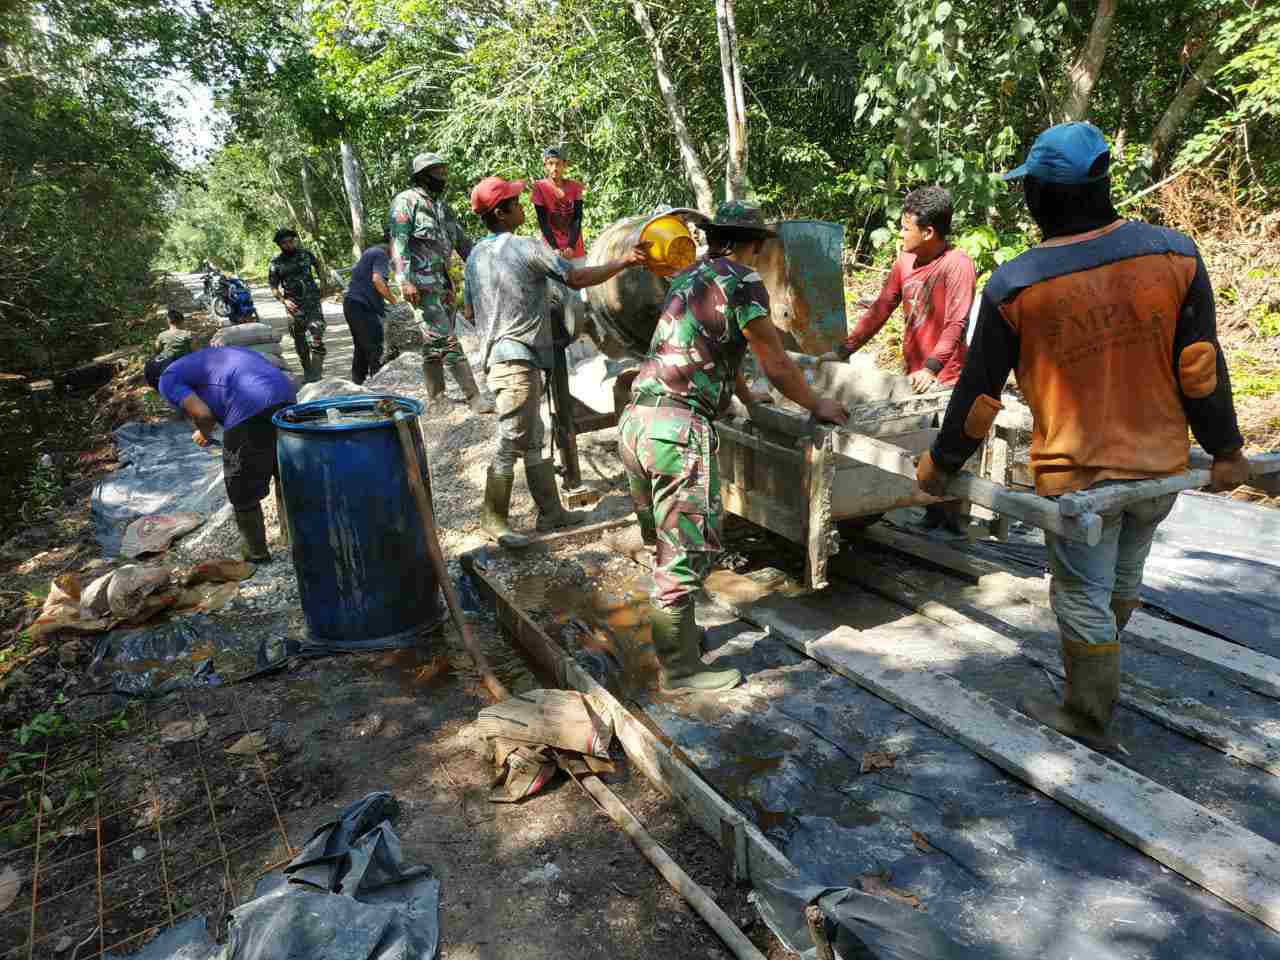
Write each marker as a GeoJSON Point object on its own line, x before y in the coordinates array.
{"type": "Point", "coordinates": [68, 653]}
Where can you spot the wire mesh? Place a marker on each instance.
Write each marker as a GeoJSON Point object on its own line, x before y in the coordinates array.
{"type": "Point", "coordinates": [133, 822]}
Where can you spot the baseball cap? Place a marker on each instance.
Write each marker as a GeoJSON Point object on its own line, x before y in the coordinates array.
{"type": "Point", "coordinates": [553, 152]}
{"type": "Point", "coordinates": [1064, 154]}
{"type": "Point", "coordinates": [491, 191]}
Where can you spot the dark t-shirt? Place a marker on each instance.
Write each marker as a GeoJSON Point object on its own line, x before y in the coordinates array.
{"type": "Point", "coordinates": [361, 289]}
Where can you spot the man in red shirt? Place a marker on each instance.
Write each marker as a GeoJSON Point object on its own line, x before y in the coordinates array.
{"type": "Point", "coordinates": [558, 203]}
{"type": "Point", "coordinates": [934, 282]}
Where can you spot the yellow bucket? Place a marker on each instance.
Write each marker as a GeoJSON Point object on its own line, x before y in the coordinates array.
{"type": "Point", "coordinates": [670, 245]}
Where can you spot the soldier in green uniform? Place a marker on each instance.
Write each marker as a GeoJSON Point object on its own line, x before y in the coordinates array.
{"type": "Point", "coordinates": [715, 310]}
{"type": "Point", "coordinates": [424, 234]}
{"type": "Point", "coordinates": [294, 280]}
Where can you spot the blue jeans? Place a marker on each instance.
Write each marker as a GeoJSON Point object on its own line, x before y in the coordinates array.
{"type": "Point", "coordinates": [1087, 579]}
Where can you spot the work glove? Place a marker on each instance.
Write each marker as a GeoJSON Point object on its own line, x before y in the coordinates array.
{"type": "Point", "coordinates": [1229, 471]}
{"type": "Point", "coordinates": [931, 478]}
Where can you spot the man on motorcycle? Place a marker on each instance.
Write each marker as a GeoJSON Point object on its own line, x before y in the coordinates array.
{"type": "Point", "coordinates": [294, 278]}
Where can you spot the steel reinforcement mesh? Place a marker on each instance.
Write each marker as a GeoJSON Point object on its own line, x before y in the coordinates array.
{"type": "Point", "coordinates": [131, 821]}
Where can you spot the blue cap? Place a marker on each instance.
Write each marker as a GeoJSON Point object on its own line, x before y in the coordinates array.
{"type": "Point", "coordinates": [1064, 154]}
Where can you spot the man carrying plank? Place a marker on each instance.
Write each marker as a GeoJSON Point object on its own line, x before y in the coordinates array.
{"type": "Point", "coordinates": [1110, 327]}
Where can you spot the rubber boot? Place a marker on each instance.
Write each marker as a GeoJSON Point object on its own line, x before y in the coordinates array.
{"type": "Point", "coordinates": [433, 376]}
{"type": "Point", "coordinates": [675, 640]}
{"type": "Point", "coordinates": [497, 506]}
{"type": "Point", "coordinates": [304, 357]}
{"type": "Point", "coordinates": [1093, 686]}
{"type": "Point", "coordinates": [546, 494]}
{"type": "Point", "coordinates": [253, 535]}
{"type": "Point", "coordinates": [315, 369]}
{"type": "Point", "coordinates": [464, 378]}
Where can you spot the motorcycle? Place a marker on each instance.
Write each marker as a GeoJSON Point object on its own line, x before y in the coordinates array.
{"type": "Point", "coordinates": [230, 299]}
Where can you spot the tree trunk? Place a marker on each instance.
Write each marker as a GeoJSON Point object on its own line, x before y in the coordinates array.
{"type": "Point", "coordinates": [1084, 71]}
{"type": "Point", "coordinates": [1181, 105]}
{"type": "Point", "coordinates": [282, 194]}
{"type": "Point", "coordinates": [736, 184]}
{"type": "Point", "coordinates": [692, 164]}
{"type": "Point", "coordinates": [355, 195]}
{"type": "Point", "coordinates": [309, 201]}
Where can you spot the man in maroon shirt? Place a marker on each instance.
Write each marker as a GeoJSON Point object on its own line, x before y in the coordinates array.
{"type": "Point", "coordinates": [934, 283]}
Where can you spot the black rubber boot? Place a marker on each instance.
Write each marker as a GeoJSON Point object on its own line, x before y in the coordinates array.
{"type": "Point", "coordinates": [1093, 687]}
{"type": "Point", "coordinates": [304, 357]}
{"type": "Point", "coordinates": [546, 494]}
{"type": "Point", "coordinates": [315, 369]}
{"type": "Point", "coordinates": [676, 641]}
{"type": "Point", "coordinates": [497, 506]}
{"type": "Point", "coordinates": [433, 376]}
{"type": "Point", "coordinates": [465, 379]}
{"type": "Point", "coordinates": [253, 535]}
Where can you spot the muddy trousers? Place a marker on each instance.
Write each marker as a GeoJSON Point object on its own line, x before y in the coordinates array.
{"type": "Point", "coordinates": [1087, 581]}
{"type": "Point", "coordinates": [307, 328]}
{"type": "Point", "coordinates": [517, 390]}
{"type": "Point", "coordinates": [249, 459]}
{"type": "Point", "coordinates": [669, 453]}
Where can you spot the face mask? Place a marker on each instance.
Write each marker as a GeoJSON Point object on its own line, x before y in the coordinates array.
{"type": "Point", "coordinates": [434, 184]}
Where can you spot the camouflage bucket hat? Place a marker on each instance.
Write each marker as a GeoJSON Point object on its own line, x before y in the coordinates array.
{"type": "Point", "coordinates": [739, 215]}
{"type": "Point", "coordinates": [424, 160]}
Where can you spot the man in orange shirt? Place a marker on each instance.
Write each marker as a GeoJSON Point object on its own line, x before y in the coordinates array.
{"type": "Point", "coordinates": [1110, 327]}
{"type": "Point", "coordinates": [934, 282]}
{"type": "Point", "coordinates": [558, 203]}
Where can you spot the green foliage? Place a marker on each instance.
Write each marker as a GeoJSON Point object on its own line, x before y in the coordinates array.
{"type": "Point", "coordinates": [988, 249]}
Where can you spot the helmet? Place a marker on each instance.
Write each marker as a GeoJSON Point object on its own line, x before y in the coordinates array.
{"type": "Point", "coordinates": [424, 160]}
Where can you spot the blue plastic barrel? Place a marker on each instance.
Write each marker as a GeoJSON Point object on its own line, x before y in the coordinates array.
{"type": "Point", "coordinates": [364, 575]}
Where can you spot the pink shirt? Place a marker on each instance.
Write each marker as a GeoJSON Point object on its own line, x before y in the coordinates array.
{"type": "Point", "coordinates": [559, 201]}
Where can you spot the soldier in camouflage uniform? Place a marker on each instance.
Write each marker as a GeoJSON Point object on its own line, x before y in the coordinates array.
{"type": "Point", "coordinates": [293, 277]}
{"type": "Point", "coordinates": [424, 234]}
{"type": "Point", "coordinates": [715, 310]}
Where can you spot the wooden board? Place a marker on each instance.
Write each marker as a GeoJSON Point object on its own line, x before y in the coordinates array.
{"type": "Point", "coordinates": [757, 858]}
{"type": "Point", "coordinates": [931, 596]}
{"type": "Point", "coordinates": [1250, 669]}
{"type": "Point", "coordinates": [1235, 864]}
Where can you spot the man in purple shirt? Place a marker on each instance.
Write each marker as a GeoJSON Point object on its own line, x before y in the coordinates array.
{"type": "Point", "coordinates": [240, 390]}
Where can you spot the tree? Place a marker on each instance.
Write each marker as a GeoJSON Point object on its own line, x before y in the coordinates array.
{"type": "Point", "coordinates": [693, 169]}
{"type": "Point", "coordinates": [736, 184]}
{"type": "Point", "coordinates": [355, 195]}
{"type": "Point", "coordinates": [1084, 70]}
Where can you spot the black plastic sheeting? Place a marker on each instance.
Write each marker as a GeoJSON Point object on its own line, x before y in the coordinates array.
{"type": "Point", "coordinates": [1001, 871]}
{"type": "Point", "coordinates": [161, 471]}
{"type": "Point", "coordinates": [1215, 563]}
{"type": "Point", "coordinates": [346, 896]}
{"type": "Point", "coordinates": [194, 651]}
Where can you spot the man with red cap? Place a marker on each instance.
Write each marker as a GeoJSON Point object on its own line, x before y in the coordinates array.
{"type": "Point", "coordinates": [506, 284]}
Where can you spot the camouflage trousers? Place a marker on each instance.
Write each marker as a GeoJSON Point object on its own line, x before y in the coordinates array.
{"type": "Point", "coordinates": [434, 314]}
{"type": "Point", "coordinates": [307, 327]}
{"type": "Point", "coordinates": [669, 454]}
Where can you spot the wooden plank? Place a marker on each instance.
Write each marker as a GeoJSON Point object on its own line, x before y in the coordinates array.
{"type": "Point", "coordinates": [931, 596]}
{"type": "Point", "coordinates": [1250, 669]}
{"type": "Point", "coordinates": [765, 511]}
{"type": "Point", "coordinates": [546, 541]}
{"type": "Point", "coordinates": [1235, 864]}
{"type": "Point", "coordinates": [820, 470]}
{"type": "Point", "coordinates": [654, 759]}
{"type": "Point", "coordinates": [1038, 511]}
{"type": "Point", "coordinates": [780, 455]}
{"type": "Point", "coordinates": [1114, 496]}
{"type": "Point", "coordinates": [862, 490]}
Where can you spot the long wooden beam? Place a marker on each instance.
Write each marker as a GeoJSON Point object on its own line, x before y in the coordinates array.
{"type": "Point", "coordinates": [1101, 499]}
{"type": "Point", "coordinates": [1037, 511]}
{"type": "Point", "coordinates": [755, 857]}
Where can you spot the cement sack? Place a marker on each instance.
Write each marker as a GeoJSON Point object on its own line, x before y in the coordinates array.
{"type": "Point", "coordinates": [554, 718]}
{"type": "Point", "coordinates": [330, 387]}
{"type": "Point", "coordinates": [272, 352]}
{"type": "Point", "coordinates": [244, 335]}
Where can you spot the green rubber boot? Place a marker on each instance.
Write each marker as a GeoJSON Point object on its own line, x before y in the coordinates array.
{"type": "Point", "coordinates": [465, 379]}
{"type": "Point", "coordinates": [1093, 687]}
{"type": "Point", "coordinates": [253, 534]}
{"type": "Point", "coordinates": [433, 376]}
{"type": "Point", "coordinates": [497, 506]}
{"type": "Point", "coordinates": [546, 494]}
{"type": "Point", "coordinates": [675, 639]}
